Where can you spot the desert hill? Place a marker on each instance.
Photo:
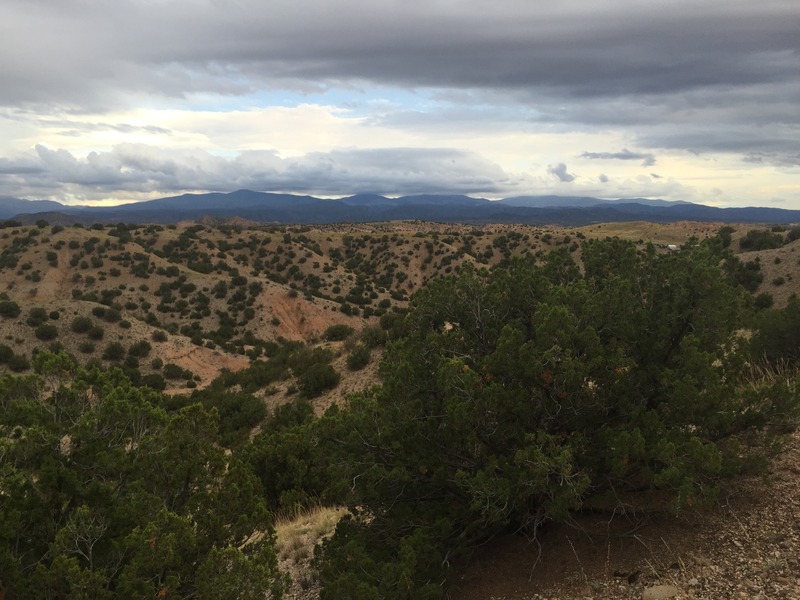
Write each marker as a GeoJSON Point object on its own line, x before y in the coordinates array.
{"type": "Point", "coordinates": [208, 295]}
{"type": "Point", "coordinates": [269, 313]}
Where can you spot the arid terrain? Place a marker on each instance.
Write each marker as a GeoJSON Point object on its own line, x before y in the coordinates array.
{"type": "Point", "coordinates": [176, 306]}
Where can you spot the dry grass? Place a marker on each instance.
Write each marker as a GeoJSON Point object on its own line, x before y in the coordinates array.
{"type": "Point", "coordinates": [298, 534]}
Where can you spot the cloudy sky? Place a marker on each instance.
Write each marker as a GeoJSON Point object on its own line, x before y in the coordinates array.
{"type": "Point", "coordinates": [106, 102]}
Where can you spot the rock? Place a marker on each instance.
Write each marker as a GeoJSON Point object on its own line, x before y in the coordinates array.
{"type": "Point", "coordinates": [660, 592]}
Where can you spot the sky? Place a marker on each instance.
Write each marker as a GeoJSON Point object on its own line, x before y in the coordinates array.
{"type": "Point", "coordinates": [110, 102]}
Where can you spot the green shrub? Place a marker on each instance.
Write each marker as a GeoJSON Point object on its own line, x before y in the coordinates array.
{"type": "Point", "coordinates": [140, 349]}
{"type": "Point", "coordinates": [154, 381]}
{"type": "Point", "coordinates": [358, 358]}
{"type": "Point", "coordinates": [5, 353]}
{"type": "Point", "coordinates": [761, 239]}
{"type": "Point", "coordinates": [318, 378]}
{"type": "Point", "coordinates": [46, 332]}
{"type": "Point", "coordinates": [36, 316]}
{"type": "Point", "coordinates": [18, 363]}
{"type": "Point", "coordinates": [86, 347]}
{"type": "Point", "coordinates": [114, 352]}
{"type": "Point", "coordinates": [338, 332]}
{"type": "Point", "coordinates": [777, 334]}
{"type": "Point", "coordinates": [763, 300]}
{"type": "Point", "coordinates": [515, 396]}
{"type": "Point", "coordinates": [372, 337]}
{"type": "Point", "coordinates": [81, 324]}
{"type": "Point", "coordinates": [173, 371]}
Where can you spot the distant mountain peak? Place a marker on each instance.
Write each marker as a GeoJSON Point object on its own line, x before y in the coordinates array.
{"type": "Point", "coordinates": [368, 207]}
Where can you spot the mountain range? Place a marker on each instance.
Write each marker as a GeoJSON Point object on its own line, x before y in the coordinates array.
{"type": "Point", "coordinates": [297, 209]}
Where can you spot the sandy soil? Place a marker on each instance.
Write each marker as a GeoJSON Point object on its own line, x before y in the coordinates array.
{"type": "Point", "coordinates": [747, 546]}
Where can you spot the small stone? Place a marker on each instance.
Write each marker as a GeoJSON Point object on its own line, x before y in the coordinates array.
{"type": "Point", "coordinates": [694, 582]}
{"type": "Point", "coordinates": [660, 592]}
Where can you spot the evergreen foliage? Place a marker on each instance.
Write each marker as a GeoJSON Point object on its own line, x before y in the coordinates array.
{"type": "Point", "coordinates": [517, 395]}
{"type": "Point", "coordinates": [777, 335]}
{"type": "Point", "coordinates": [107, 495]}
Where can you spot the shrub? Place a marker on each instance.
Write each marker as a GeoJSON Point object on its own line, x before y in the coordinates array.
{"type": "Point", "coordinates": [114, 352]}
{"type": "Point", "coordinates": [318, 378]}
{"type": "Point", "coordinates": [154, 381]}
{"type": "Point", "coordinates": [173, 371]}
{"type": "Point", "coordinates": [86, 347]}
{"type": "Point", "coordinates": [18, 363]}
{"type": "Point", "coordinates": [36, 316]}
{"type": "Point", "coordinates": [140, 349]}
{"type": "Point", "coordinates": [372, 336]}
{"type": "Point", "coordinates": [358, 358]}
{"type": "Point", "coordinates": [517, 395]}
{"type": "Point", "coordinates": [761, 239]}
{"type": "Point", "coordinates": [46, 332]}
{"type": "Point", "coordinates": [338, 332]}
{"type": "Point", "coordinates": [81, 324]}
{"type": "Point", "coordinates": [764, 300]}
{"type": "Point", "coordinates": [112, 315]}
{"type": "Point", "coordinates": [5, 353]}
{"type": "Point", "coordinates": [777, 334]}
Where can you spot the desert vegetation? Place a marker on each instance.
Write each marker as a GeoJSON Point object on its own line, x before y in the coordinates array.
{"type": "Point", "coordinates": [169, 391]}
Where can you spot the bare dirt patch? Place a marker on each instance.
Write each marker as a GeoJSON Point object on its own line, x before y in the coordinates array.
{"type": "Point", "coordinates": [298, 318]}
{"type": "Point", "coordinates": [748, 546]}
{"type": "Point", "coordinates": [204, 362]}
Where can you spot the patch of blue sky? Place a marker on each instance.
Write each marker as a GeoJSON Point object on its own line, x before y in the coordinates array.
{"type": "Point", "coordinates": [357, 101]}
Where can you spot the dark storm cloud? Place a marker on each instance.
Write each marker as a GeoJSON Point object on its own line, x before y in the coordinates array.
{"type": "Point", "coordinates": [74, 49]}
{"type": "Point", "coordinates": [646, 158]}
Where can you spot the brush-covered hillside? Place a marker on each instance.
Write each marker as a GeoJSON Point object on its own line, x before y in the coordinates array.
{"type": "Point", "coordinates": [168, 390]}
{"type": "Point", "coordinates": [208, 297]}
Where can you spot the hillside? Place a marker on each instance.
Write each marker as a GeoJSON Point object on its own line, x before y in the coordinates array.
{"type": "Point", "coordinates": [208, 295]}
{"type": "Point", "coordinates": [263, 315]}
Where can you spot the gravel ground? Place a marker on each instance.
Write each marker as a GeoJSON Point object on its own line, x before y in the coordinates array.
{"type": "Point", "coordinates": [748, 546]}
